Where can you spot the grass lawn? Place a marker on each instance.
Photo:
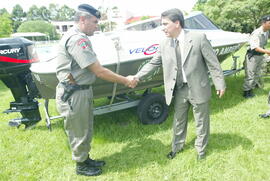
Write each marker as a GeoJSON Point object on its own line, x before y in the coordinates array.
{"type": "Point", "coordinates": [238, 150]}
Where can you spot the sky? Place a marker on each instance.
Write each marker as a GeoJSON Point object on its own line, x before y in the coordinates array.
{"type": "Point", "coordinates": [127, 7]}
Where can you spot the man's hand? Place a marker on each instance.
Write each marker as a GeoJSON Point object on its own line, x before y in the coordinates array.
{"type": "Point", "coordinates": [268, 52]}
{"type": "Point", "coordinates": [106, 74]}
{"type": "Point", "coordinates": [220, 93]}
{"type": "Point", "coordinates": [132, 81]}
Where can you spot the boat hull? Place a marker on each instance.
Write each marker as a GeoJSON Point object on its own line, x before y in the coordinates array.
{"type": "Point", "coordinates": [47, 82]}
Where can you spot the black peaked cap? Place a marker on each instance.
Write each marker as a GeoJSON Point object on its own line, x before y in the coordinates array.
{"type": "Point", "coordinates": [90, 9]}
{"type": "Point", "coordinates": [266, 18]}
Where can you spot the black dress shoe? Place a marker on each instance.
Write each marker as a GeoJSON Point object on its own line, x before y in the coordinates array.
{"type": "Point", "coordinates": [201, 156]}
{"type": "Point", "coordinates": [172, 154]}
{"type": "Point", "coordinates": [94, 163]}
{"type": "Point", "coordinates": [84, 169]}
{"type": "Point", "coordinates": [266, 115]}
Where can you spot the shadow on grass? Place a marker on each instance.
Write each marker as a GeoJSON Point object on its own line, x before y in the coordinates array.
{"type": "Point", "coordinates": [219, 142]}
{"type": "Point", "coordinates": [227, 141]}
{"type": "Point", "coordinates": [137, 154]}
{"type": "Point", "coordinates": [233, 95]}
{"type": "Point", "coordinates": [125, 126]}
{"type": "Point", "coordinates": [142, 152]}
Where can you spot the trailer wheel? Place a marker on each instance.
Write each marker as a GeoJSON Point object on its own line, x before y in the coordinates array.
{"type": "Point", "coordinates": [152, 109]}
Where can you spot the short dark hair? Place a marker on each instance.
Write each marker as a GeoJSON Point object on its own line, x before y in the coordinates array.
{"type": "Point", "coordinates": [265, 18]}
{"type": "Point", "coordinates": [174, 15]}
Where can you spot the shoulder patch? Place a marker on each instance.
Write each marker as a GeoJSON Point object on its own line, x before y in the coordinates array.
{"type": "Point", "coordinates": [83, 42]}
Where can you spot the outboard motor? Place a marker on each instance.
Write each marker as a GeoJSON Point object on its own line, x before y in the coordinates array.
{"type": "Point", "coordinates": [16, 56]}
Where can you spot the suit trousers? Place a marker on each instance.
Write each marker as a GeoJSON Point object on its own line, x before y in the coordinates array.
{"type": "Point", "coordinates": [182, 103]}
{"type": "Point", "coordinates": [78, 123]}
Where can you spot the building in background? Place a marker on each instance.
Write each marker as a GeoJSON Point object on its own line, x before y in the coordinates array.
{"type": "Point", "coordinates": [62, 26]}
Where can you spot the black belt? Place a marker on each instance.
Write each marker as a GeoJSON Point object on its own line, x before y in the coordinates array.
{"type": "Point", "coordinates": [83, 87]}
{"type": "Point", "coordinates": [78, 87]}
{"type": "Point", "coordinates": [253, 52]}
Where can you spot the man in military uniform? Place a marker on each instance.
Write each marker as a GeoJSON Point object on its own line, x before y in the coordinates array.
{"type": "Point", "coordinates": [77, 68]}
{"type": "Point", "coordinates": [254, 57]}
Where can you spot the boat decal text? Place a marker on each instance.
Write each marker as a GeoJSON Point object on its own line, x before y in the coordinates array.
{"type": "Point", "coordinates": [146, 51]}
{"type": "Point", "coordinates": [227, 49]}
{"type": "Point", "coordinates": [9, 51]}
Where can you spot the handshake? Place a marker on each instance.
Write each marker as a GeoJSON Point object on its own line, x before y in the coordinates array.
{"type": "Point", "coordinates": [132, 81]}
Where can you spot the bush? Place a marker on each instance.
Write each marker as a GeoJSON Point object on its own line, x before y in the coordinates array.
{"type": "Point", "coordinates": [39, 26]}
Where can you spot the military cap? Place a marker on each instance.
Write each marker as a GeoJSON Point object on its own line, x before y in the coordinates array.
{"type": "Point", "coordinates": [90, 9]}
{"type": "Point", "coordinates": [266, 18]}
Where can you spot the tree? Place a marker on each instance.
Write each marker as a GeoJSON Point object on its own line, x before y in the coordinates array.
{"type": "Point", "coordinates": [5, 25]}
{"type": "Point", "coordinates": [45, 13]}
{"type": "Point", "coordinates": [104, 11]}
{"type": "Point", "coordinates": [54, 8]}
{"type": "Point", "coordinates": [39, 26]}
{"type": "Point", "coordinates": [235, 15]}
{"type": "Point", "coordinates": [34, 13]}
{"type": "Point", "coordinates": [106, 26]}
{"type": "Point", "coordinates": [3, 11]}
{"type": "Point", "coordinates": [65, 13]}
{"type": "Point", "coordinates": [107, 15]}
{"type": "Point", "coordinates": [18, 15]}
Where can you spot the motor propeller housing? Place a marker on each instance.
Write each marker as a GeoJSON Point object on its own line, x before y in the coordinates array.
{"type": "Point", "coordinates": [16, 57]}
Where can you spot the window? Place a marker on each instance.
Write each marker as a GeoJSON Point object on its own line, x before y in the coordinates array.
{"type": "Point", "coordinates": [64, 28]}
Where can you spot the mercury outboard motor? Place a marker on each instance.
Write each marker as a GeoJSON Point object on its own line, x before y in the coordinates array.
{"type": "Point", "coordinates": [16, 56]}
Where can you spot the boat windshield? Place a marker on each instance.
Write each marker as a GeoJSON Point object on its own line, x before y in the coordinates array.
{"type": "Point", "coordinates": [196, 20]}
{"type": "Point", "coordinates": [145, 25]}
{"type": "Point", "coordinates": [201, 22]}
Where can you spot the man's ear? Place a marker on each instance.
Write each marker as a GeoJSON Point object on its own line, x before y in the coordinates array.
{"type": "Point", "coordinates": [177, 22]}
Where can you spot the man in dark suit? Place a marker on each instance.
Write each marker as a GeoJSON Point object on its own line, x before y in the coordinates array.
{"type": "Point", "coordinates": [186, 58]}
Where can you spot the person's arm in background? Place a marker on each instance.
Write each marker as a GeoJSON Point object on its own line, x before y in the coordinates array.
{"type": "Point", "coordinates": [255, 44]}
{"type": "Point", "coordinates": [261, 50]}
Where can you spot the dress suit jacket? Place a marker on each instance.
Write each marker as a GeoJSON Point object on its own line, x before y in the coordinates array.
{"type": "Point", "coordinates": [199, 58]}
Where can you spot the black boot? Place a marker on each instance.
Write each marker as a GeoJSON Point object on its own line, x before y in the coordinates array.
{"type": "Point", "coordinates": [83, 168]}
{"type": "Point", "coordinates": [248, 94]}
{"type": "Point", "coordinates": [245, 94]}
{"type": "Point", "coordinates": [94, 163]}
